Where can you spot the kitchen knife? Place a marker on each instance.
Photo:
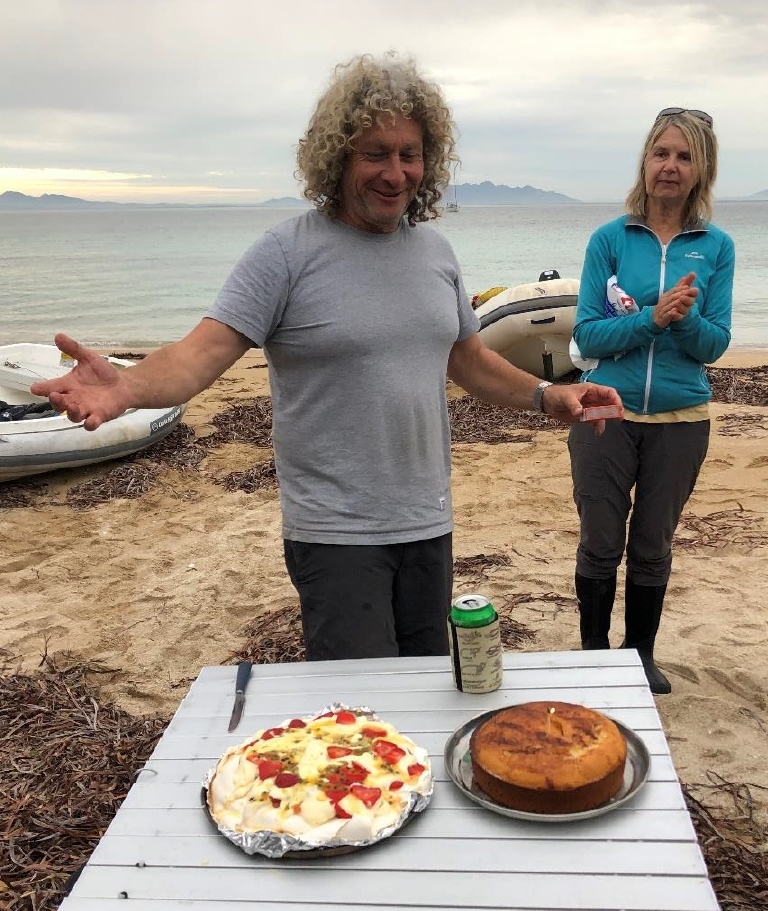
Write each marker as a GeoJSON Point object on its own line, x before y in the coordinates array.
{"type": "Point", "coordinates": [241, 681]}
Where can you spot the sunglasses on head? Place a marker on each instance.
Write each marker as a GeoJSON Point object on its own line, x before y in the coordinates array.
{"type": "Point", "coordinates": [700, 115]}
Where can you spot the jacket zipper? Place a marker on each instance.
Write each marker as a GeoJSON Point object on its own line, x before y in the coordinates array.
{"type": "Point", "coordinates": [662, 276]}
{"type": "Point", "coordinates": [649, 367]}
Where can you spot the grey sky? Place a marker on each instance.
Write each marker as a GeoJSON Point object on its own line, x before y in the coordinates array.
{"type": "Point", "coordinates": [203, 100]}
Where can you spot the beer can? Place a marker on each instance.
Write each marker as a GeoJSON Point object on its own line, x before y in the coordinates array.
{"type": "Point", "coordinates": [474, 638]}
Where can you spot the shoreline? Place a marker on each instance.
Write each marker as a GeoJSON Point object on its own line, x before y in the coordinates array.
{"type": "Point", "coordinates": [735, 356]}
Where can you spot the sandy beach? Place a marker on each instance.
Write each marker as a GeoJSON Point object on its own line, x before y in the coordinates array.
{"type": "Point", "coordinates": [152, 588]}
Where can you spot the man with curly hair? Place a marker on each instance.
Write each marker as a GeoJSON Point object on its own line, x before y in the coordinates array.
{"type": "Point", "coordinates": [361, 312]}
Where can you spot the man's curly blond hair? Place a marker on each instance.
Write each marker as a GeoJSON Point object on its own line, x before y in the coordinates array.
{"type": "Point", "coordinates": [363, 92]}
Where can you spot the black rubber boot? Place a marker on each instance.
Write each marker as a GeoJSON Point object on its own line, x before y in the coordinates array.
{"type": "Point", "coordinates": [595, 606]}
{"type": "Point", "coordinates": [643, 605]}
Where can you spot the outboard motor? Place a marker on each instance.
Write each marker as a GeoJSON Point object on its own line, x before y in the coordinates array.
{"type": "Point", "coordinates": [548, 275]}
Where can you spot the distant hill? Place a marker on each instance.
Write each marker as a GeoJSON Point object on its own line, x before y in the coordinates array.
{"type": "Point", "coordinates": [284, 202]}
{"type": "Point", "coordinates": [20, 201]}
{"type": "Point", "coordinates": [467, 194]}
{"type": "Point", "coordinates": [12, 200]}
{"type": "Point", "coordinates": [491, 194]}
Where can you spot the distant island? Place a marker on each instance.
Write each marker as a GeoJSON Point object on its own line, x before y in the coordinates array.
{"type": "Point", "coordinates": [54, 201]}
{"type": "Point", "coordinates": [284, 202]}
{"type": "Point", "coordinates": [465, 194]}
{"type": "Point", "coordinates": [13, 200]}
{"type": "Point", "coordinates": [491, 194]}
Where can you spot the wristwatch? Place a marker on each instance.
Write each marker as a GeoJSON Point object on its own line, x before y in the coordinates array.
{"type": "Point", "coordinates": [538, 396]}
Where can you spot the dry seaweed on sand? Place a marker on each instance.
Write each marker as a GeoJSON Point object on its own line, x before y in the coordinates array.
{"type": "Point", "coordinates": [126, 482]}
{"type": "Point", "coordinates": [478, 564]}
{"type": "Point", "coordinates": [473, 421]}
{"type": "Point", "coordinates": [127, 355]}
{"type": "Point", "coordinates": [739, 385]}
{"type": "Point", "coordinates": [261, 477]}
{"type": "Point", "coordinates": [739, 527]}
{"type": "Point", "coordinates": [273, 639]}
{"type": "Point", "coordinates": [513, 633]}
{"type": "Point", "coordinates": [564, 601]}
{"type": "Point", "coordinates": [129, 478]}
{"type": "Point", "coordinates": [740, 424]}
{"type": "Point", "coordinates": [180, 449]}
{"type": "Point", "coordinates": [21, 493]}
{"type": "Point", "coordinates": [247, 422]}
{"type": "Point", "coordinates": [135, 475]}
{"type": "Point", "coordinates": [67, 761]}
{"type": "Point", "coordinates": [735, 847]}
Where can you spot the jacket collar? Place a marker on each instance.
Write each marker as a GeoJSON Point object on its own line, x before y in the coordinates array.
{"type": "Point", "coordinates": [696, 225]}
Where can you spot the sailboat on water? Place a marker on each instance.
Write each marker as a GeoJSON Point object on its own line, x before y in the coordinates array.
{"type": "Point", "coordinates": [452, 205]}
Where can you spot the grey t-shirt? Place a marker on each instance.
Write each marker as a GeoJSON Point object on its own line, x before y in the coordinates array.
{"type": "Point", "coordinates": [356, 328]}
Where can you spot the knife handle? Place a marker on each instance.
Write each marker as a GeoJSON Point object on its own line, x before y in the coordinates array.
{"type": "Point", "coordinates": [243, 672]}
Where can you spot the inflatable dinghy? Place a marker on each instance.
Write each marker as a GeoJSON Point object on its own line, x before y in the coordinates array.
{"type": "Point", "coordinates": [531, 325]}
{"type": "Point", "coordinates": [34, 438]}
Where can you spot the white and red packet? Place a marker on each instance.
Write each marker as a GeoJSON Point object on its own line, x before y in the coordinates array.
{"type": "Point", "coordinates": [601, 412]}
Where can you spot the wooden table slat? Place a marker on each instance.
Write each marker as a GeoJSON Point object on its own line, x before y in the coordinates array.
{"type": "Point", "coordinates": [514, 678]}
{"type": "Point", "coordinates": [469, 821]}
{"type": "Point", "coordinates": [213, 675]}
{"type": "Point", "coordinates": [298, 886]}
{"type": "Point", "coordinates": [281, 706]}
{"type": "Point", "coordinates": [478, 855]}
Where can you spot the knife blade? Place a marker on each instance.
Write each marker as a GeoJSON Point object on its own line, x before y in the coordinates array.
{"type": "Point", "coordinates": [241, 681]}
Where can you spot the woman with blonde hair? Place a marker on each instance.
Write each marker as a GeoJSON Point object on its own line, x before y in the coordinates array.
{"type": "Point", "coordinates": [654, 307]}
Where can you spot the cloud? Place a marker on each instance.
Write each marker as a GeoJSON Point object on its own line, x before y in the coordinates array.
{"type": "Point", "coordinates": [212, 96]}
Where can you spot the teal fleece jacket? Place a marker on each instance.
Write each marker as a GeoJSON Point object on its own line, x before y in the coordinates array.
{"type": "Point", "coordinates": [656, 369]}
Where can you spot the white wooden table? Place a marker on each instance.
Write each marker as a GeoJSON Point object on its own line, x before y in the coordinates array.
{"type": "Point", "coordinates": [161, 852]}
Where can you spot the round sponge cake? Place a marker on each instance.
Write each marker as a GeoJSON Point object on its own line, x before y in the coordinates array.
{"type": "Point", "coordinates": [548, 757]}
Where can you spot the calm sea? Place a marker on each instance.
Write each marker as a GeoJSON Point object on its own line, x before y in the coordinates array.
{"type": "Point", "coordinates": [130, 278]}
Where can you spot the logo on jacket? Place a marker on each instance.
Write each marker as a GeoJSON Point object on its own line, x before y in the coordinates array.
{"type": "Point", "coordinates": [694, 255]}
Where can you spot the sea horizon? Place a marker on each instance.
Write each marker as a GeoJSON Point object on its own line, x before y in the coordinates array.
{"type": "Point", "coordinates": [466, 194]}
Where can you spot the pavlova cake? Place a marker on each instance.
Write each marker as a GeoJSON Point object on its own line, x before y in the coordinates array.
{"type": "Point", "coordinates": [342, 777]}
